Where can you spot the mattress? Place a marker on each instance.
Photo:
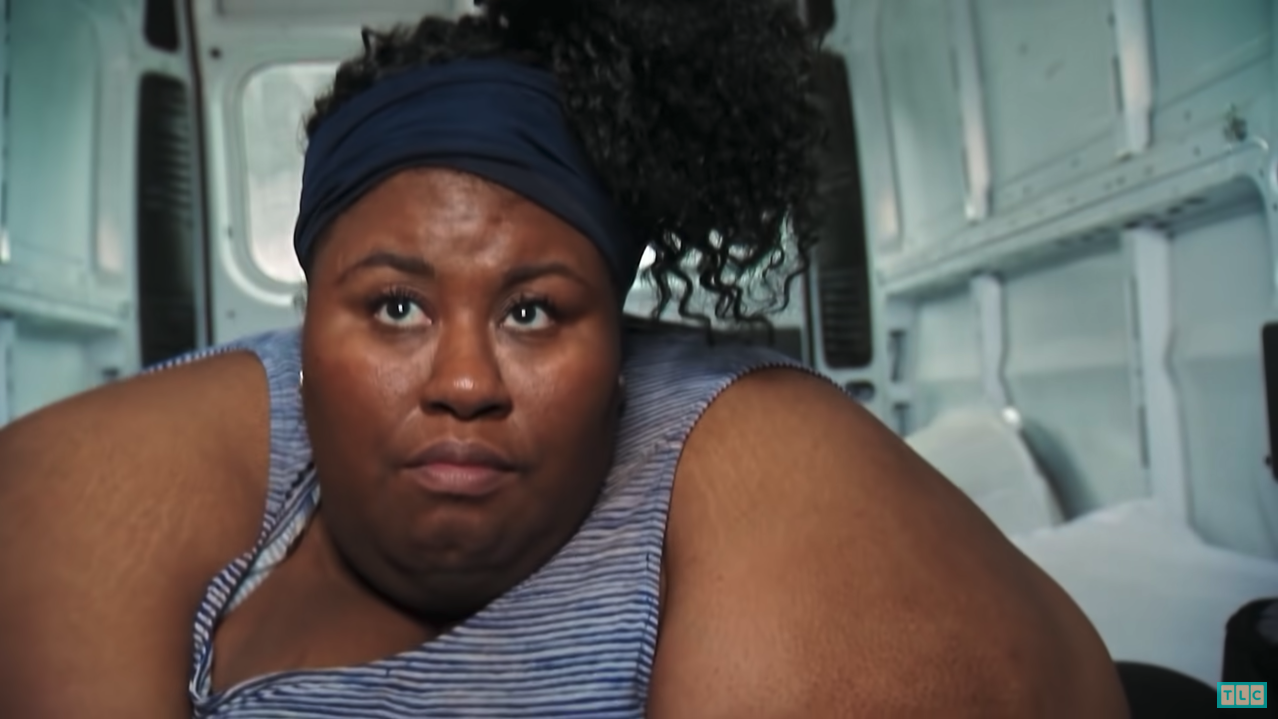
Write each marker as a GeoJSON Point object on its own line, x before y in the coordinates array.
{"type": "Point", "coordinates": [1153, 589]}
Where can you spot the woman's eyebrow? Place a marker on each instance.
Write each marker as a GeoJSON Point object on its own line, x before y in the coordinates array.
{"type": "Point", "coordinates": [418, 267]}
{"type": "Point", "coordinates": [406, 264]}
{"type": "Point", "coordinates": [532, 271]}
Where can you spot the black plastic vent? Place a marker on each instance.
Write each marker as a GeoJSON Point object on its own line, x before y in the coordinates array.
{"type": "Point", "coordinates": [786, 340]}
{"type": "Point", "coordinates": [166, 219]}
{"type": "Point", "coordinates": [161, 24]}
{"type": "Point", "coordinates": [1269, 359]}
{"type": "Point", "coordinates": [842, 268]}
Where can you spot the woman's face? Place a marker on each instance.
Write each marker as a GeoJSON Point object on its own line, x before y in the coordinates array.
{"type": "Point", "coordinates": [461, 355]}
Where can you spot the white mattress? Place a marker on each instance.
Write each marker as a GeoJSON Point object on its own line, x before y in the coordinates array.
{"type": "Point", "coordinates": [1153, 589]}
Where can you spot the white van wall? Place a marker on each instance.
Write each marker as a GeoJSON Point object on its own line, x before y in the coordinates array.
{"type": "Point", "coordinates": [1068, 374]}
{"type": "Point", "coordinates": [66, 294]}
{"type": "Point", "coordinates": [947, 355]}
{"type": "Point", "coordinates": [76, 197]}
{"type": "Point", "coordinates": [1222, 267]}
{"type": "Point", "coordinates": [1106, 165]}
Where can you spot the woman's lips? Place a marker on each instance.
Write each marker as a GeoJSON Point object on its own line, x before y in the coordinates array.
{"type": "Point", "coordinates": [459, 480]}
{"type": "Point", "coordinates": [460, 469]}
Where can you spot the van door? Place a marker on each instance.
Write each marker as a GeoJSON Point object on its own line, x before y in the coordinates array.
{"type": "Point", "coordinates": [261, 64]}
{"type": "Point", "coordinates": [98, 218]}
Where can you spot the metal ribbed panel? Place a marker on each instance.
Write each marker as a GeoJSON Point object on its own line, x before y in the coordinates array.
{"type": "Point", "coordinates": [166, 212]}
{"type": "Point", "coordinates": [843, 282]}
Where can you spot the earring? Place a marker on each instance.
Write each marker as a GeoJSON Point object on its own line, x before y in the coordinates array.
{"type": "Point", "coordinates": [301, 378]}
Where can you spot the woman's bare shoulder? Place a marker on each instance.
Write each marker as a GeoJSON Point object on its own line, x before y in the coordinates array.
{"type": "Point", "coordinates": [116, 508]}
{"type": "Point", "coordinates": [811, 545]}
{"type": "Point", "coordinates": [197, 433]}
{"type": "Point", "coordinates": [202, 405]}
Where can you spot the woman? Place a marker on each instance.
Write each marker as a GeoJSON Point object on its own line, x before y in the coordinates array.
{"type": "Point", "coordinates": [483, 493]}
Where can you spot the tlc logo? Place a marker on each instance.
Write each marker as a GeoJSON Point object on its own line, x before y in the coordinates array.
{"type": "Point", "coordinates": [1242, 695]}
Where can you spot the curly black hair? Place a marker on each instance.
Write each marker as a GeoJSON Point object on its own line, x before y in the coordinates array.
{"type": "Point", "coordinates": [699, 115]}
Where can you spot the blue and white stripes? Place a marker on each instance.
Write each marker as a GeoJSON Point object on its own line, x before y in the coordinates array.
{"type": "Point", "coordinates": [577, 638]}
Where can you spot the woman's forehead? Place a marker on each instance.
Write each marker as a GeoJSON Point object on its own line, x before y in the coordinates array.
{"type": "Point", "coordinates": [459, 221]}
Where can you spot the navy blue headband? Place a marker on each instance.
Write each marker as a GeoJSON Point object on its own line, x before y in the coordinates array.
{"type": "Point", "coordinates": [497, 119]}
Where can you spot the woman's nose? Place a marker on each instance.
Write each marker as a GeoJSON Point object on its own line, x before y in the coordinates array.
{"type": "Point", "coordinates": [465, 378]}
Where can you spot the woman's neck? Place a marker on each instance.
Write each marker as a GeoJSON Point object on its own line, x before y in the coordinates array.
{"type": "Point", "coordinates": [313, 612]}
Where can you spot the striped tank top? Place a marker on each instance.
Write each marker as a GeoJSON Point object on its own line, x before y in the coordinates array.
{"type": "Point", "coordinates": [577, 638]}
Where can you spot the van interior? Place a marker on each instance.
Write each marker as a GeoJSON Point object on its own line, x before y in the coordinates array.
{"type": "Point", "coordinates": [1049, 262]}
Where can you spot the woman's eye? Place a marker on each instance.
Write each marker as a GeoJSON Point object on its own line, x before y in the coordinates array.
{"type": "Point", "coordinates": [400, 312]}
{"type": "Point", "coordinates": [529, 316]}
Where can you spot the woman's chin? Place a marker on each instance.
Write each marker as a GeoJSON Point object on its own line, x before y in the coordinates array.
{"type": "Point", "coordinates": [464, 548]}
{"type": "Point", "coordinates": [449, 587]}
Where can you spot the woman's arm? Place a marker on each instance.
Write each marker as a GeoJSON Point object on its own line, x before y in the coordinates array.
{"type": "Point", "coordinates": [116, 509]}
{"type": "Point", "coordinates": [817, 567]}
